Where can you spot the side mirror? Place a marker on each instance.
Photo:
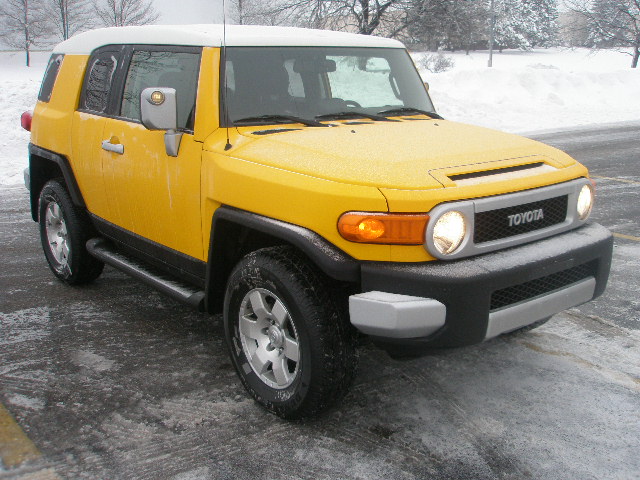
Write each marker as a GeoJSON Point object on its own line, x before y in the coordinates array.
{"type": "Point", "coordinates": [426, 85]}
{"type": "Point", "coordinates": [158, 108]}
{"type": "Point", "coordinates": [159, 111]}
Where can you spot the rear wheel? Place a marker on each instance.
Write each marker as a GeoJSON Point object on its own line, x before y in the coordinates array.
{"type": "Point", "coordinates": [289, 339]}
{"type": "Point", "coordinates": [64, 231]}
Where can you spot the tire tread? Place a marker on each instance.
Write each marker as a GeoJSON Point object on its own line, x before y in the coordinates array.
{"type": "Point", "coordinates": [329, 328]}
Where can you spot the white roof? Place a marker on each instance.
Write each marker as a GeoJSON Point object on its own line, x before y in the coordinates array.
{"type": "Point", "coordinates": [210, 35]}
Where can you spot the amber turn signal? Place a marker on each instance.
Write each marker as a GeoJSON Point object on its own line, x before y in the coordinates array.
{"type": "Point", "coordinates": [385, 228]}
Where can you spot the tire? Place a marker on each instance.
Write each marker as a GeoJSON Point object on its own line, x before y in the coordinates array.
{"type": "Point", "coordinates": [64, 231]}
{"type": "Point", "coordinates": [289, 339]}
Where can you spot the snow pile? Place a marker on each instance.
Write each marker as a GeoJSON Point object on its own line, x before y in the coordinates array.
{"type": "Point", "coordinates": [538, 90]}
{"type": "Point", "coordinates": [523, 92]}
{"type": "Point", "coordinates": [19, 88]}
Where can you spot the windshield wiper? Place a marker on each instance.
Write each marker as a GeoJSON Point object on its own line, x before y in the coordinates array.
{"type": "Point", "coordinates": [278, 119]}
{"type": "Point", "coordinates": [409, 111]}
{"type": "Point", "coordinates": [370, 116]}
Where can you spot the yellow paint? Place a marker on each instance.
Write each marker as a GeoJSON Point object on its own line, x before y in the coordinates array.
{"type": "Point", "coordinates": [274, 192]}
{"type": "Point", "coordinates": [307, 177]}
{"type": "Point", "coordinates": [44, 474]}
{"type": "Point", "coordinates": [86, 147]}
{"type": "Point", "coordinates": [291, 177]}
{"type": "Point", "coordinates": [207, 97]}
{"type": "Point", "coordinates": [632, 182]}
{"type": "Point", "coordinates": [626, 237]}
{"type": "Point", "coordinates": [424, 200]}
{"type": "Point", "coordinates": [621, 377]}
{"type": "Point", "coordinates": [150, 193]}
{"type": "Point", "coordinates": [52, 121]}
{"type": "Point", "coordinates": [15, 446]}
{"type": "Point", "coordinates": [404, 155]}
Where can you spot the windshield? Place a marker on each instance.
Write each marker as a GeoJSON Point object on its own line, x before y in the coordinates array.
{"type": "Point", "coordinates": [309, 82]}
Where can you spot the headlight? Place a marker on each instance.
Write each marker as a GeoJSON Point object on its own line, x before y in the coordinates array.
{"type": "Point", "coordinates": [585, 202]}
{"type": "Point", "coordinates": [449, 231]}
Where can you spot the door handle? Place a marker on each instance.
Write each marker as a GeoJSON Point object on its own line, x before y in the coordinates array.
{"type": "Point", "coordinates": [113, 147]}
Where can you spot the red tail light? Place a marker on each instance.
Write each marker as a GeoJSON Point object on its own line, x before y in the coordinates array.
{"type": "Point", "coordinates": [25, 120]}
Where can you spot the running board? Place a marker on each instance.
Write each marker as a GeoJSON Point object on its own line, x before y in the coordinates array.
{"type": "Point", "coordinates": [180, 291]}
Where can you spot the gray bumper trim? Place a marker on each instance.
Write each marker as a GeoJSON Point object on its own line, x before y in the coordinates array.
{"type": "Point", "coordinates": [395, 316]}
{"type": "Point", "coordinates": [517, 316]}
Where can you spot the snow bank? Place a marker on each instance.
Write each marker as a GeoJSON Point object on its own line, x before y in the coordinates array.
{"type": "Point", "coordinates": [538, 90]}
{"type": "Point", "coordinates": [525, 91]}
{"type": "Point", "coordinates": [19, 88]}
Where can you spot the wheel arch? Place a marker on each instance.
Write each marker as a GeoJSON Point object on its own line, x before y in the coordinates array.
{"type": "Point", "coordinates": [235, 233]}
{"type": "Point", "coordinates": [45, 165]}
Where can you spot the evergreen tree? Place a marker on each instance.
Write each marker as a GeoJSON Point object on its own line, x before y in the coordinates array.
{"type": "Point", "coordinates": [542, 29]}
{"type": "Point", "coordinates": [525, 23]}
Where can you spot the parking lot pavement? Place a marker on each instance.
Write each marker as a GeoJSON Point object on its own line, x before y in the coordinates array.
{"type": "Point", "coordinates": [612, 155]}
{"type": "Point", "coordinates": [114, 380]}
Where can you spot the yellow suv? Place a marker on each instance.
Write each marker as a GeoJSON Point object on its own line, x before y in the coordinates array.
{"type": "Point", "coordinates": [301, 183]}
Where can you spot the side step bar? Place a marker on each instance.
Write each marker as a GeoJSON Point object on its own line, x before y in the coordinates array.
{"type": "Point", "coordinates": [180, 291]}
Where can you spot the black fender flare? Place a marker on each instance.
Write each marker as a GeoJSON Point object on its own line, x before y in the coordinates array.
{"type": "Point", "coordinates": [38, 176]}
{"type": "Point", "coordinates": [227, 220]}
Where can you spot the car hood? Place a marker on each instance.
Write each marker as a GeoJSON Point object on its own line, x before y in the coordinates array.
{"type": "Point", "coordinates": [407, 154]}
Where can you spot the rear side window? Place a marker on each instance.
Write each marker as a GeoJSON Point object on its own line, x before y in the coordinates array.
{"type": "Point", "coordinates": [178, 70]}
{"type": "Point", "coordinates": [50, 75]}
{"type": "Point", "coordinates": [98, 80]}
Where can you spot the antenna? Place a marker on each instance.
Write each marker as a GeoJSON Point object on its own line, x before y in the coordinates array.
{"type": "Point", "coordinates": [223, 64]}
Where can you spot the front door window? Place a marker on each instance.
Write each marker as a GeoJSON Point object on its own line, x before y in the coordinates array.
{"type": "Point", "coordinates": [178, 70]}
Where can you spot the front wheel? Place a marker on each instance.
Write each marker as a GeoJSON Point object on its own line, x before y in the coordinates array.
{"type": "Point", "coordinates": [288, 337]}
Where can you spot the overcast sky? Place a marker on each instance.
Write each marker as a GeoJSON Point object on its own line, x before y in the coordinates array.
{"type": "Point", "coordinates": [188, 11]}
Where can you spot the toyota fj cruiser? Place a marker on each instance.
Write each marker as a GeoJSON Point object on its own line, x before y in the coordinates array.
{"type": "Point", "coordinates": [301, 183]}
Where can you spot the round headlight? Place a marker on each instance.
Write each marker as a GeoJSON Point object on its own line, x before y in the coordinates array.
{"type": "Point", "coordinates": [585, 202]}
{"type": "Point", "coordinates": [449, 231]}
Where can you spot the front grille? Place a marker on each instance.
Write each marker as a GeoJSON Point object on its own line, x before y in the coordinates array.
{"type": "Point", "coordinates": [541, 286]}
{"type": "Point", "coordinates": [510, 221]}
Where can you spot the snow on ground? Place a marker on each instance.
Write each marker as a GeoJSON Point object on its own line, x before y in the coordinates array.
{"type": "Point", "coordinates": [538, 90]}
{"type": "Point", "coordinates": [19, 88]}
{"type": "Point", "coordinates": [523, 92]}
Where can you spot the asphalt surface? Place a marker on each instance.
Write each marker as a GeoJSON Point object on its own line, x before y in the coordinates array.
{"type": "Point", "coordinates": [115, 381]}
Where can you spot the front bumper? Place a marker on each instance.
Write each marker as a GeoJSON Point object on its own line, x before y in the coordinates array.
{"type": "Point", "coordinates": [482, 296]}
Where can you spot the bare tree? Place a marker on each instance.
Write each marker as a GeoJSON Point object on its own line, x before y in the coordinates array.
{"type": "Point", "coordinates": [612, 23]}
{"type": "Point", "coordinates": [23, 25]}
{"type": "Point", "coordinates": [120, 13]}
{"type": "Point", "coordinates": [247, 12]}
{"type": "Point", "coordinates": [573, 30]}
{"type": "Point", "coordinates": [69, 16]}
{"type": "Point", "coordinates": [361, 16]}
{"type": "Point", "coordinates": [240, 11]}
